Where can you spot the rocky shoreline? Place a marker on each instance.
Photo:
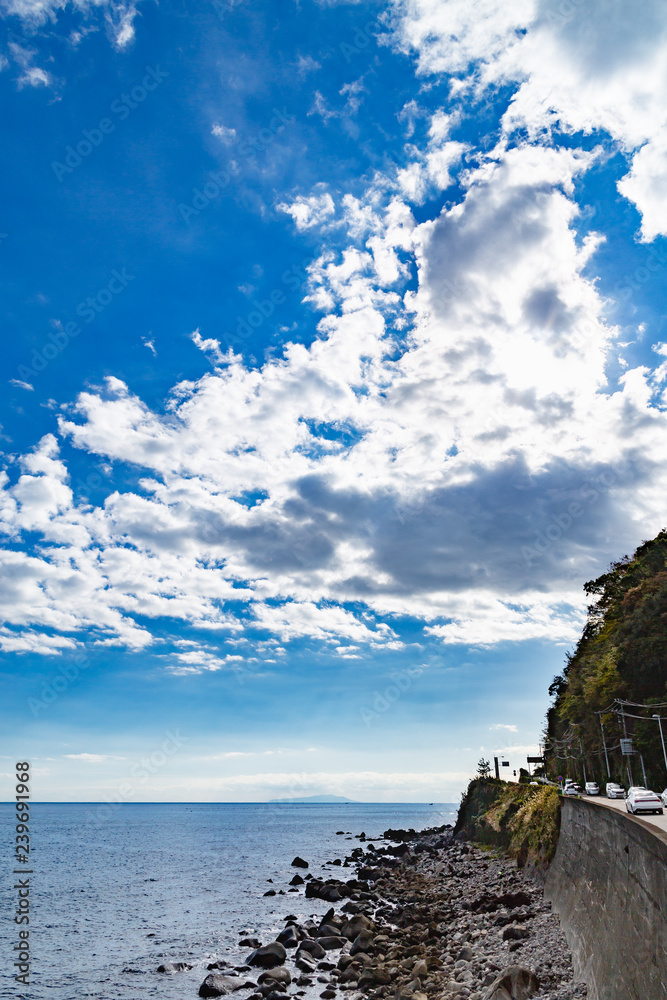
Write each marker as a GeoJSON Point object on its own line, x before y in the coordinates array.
{"type": "Point", "coordinates": [426, 916]}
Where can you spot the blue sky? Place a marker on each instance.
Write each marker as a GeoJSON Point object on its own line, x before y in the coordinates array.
{"type": "Point", "coordinates": [334, 364]}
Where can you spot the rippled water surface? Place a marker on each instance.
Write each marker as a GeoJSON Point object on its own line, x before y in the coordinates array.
{"type": "Point", "coordinates": [170, 882]}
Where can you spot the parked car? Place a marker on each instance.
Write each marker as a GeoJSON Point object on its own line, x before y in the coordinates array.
{"type": "Point", "coordinates": [570, 788]}
{"type": "Point", "coordinates": [663, 796]}
{"type": "Point", "coordinates": [591, 788]}
{"type": "Point", "coordinates": [641, 799]}
{"type": "Point", "coordinates": [614, 790]}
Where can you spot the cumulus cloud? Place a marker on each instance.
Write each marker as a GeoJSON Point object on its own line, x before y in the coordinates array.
{"type": "Point", "coordinates": [311, 211]}
{"type": "Point", "coordinates": [593, 67]}
{"type": "Point", "coordinates": [449, 447]}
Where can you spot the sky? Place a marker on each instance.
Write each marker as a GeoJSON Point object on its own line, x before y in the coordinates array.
{"type": "Point", "coordinates": [334, 364]}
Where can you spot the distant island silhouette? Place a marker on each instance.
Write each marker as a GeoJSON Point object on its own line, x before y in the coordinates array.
{"type": "Point", "coordinates": [314, 798]}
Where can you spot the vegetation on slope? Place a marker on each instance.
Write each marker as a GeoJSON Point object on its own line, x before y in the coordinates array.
{"type": "Point", "coordinates": [523, 820]}
{"type": "Point", "coordinates": [622, 654]}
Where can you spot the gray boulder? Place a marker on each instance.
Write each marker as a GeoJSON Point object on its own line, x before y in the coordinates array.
{"type": "Point", "coordinates": [277, 975]}
{"type": "Point", "coordinates": [331, 941]}
{"type": "Point", "coordinates": [289, 937]}
{"type": "Point", "coordinates": [312, 947]}
{"type": "Point", "coordinates": [299, 862]}
{"type": "Point", "coordinates": [171, 967]}
{"type": "Point", "coordinates": [268, 956]}
{"type": "Point", "coordinates": [217, 985]}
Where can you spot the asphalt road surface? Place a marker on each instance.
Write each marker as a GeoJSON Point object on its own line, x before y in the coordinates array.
{"type": "Point", "coordinates": [603, 801]}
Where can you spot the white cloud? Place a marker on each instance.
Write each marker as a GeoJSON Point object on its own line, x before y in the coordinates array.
{"type": "Point", "coordinates": [308, 212]}
{"type": "Point", "coordinates": [92, 758]}
{"type": "Point", "coordinates": [119, 20]}
{"type": "Point", "coordinates": [501, 725]}
{"type": "Point", "coordinates": [594, 66]}
{"type": "Point", "coordinates": [454, 452]}
{"type": "Point", "coordinates": [228, 135]}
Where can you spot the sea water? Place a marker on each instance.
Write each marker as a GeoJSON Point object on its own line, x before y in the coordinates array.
{"type": "Point", "coordinates": [115, 894]}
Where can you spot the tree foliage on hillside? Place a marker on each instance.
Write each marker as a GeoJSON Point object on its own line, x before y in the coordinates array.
{"type": "Point", "coordinates": [622, 653]}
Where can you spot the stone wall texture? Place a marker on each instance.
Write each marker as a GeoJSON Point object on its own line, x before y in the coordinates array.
{"type": "Point", "coordinates": [608, 884]}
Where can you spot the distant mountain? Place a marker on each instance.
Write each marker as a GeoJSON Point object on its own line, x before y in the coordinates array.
{"type": "Point", "coordinates": [315, 798]}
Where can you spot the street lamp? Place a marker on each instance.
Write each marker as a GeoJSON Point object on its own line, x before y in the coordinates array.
{"type": "Point", "coordinates": [662, 739]}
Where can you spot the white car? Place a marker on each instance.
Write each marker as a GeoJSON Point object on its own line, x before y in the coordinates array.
{"type": "Point", "coordinates": [570, 788]}
{"type": "Point", "coordinates": [640, 800]}
{"type": "Point", "coordinates": [591, 788]}
{"type": "Point", "coordinates": [663, 796]}
{"type": "Point", "coordinates": [614, 790]}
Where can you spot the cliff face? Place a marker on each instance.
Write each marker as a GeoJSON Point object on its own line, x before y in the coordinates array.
{"type": "Point", "coordinates": [523, 820]}
{"type": "Point", "coordinates": [622, 653]}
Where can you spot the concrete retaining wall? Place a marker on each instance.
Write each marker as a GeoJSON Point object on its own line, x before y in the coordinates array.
{"type": "Point", "coordinates": [608, 884]}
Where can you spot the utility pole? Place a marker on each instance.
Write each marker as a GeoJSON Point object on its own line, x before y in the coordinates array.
{"type": "Point", "coordinates": [604, 744]}
{"type": "Point", "coordinates": [662, 739]}
{"type": "Point", "coordinates": [643, 769]}
{"type": "Point", "coordinates": [625, 734]}
{"type": "Point", "coordinates": [495, 762]}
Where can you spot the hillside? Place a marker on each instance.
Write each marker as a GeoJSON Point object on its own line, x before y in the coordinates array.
{"type": "Point", "coordinates": [622, 654]}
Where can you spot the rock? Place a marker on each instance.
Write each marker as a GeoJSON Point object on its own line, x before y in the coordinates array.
{"type": "Point", "coordinates": [299, 862]}
{"type": "Point", "coordinates": [420, 968]}
{"type": "Point", "coordinates": [250, 943]}
{"type": "Point", "coordinates": [217, 985]}
{"type": "Point", "coordinates": [171, 967]}
{"type": "Point", "coordinates": [305, 963]}
{"type": "Point", "coordinates": [513, 983]}
{"type": "Point", "coordinates": [277, 975]}
{"type": "Point", "coordinates": [289, 937]}
{"type": "Point", "coordinates": [328, 994]}
{"type": "Point", "coordinates": [515, 934]}
{"type": "Point", "coordinates": [271, 892]}
{"type": "Point", "coordinates": [313, 948]}
{"type": "Point", "coordinates": [268, 956]}
{"type": "Point", "coordinates": [467, 954]}
{"type": "Point", "coordinates": [358, 923]}
{"type": "Point", "coordinates": [362, 942]}
{"type": "Point", "coordinates": [331, 941]}
{"type": "Point", "coordinates": [297, 880]}
{"type": "Point", "coordinates": [326, 930]}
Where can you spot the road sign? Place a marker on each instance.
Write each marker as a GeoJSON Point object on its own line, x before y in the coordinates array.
{"type": "Point", "coordinates": [535, 760]}
{"type": "Point", "coordinates": [504, 763]}
{"type": "Point", "coordinates": [626, 748]}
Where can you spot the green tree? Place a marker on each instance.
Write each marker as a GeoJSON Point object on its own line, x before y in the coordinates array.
{"type": "Point", "coordinates": [483, 768]}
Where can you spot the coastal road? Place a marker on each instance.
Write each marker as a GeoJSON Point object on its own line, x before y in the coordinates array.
{"type": "Point", "coordinates": [603, 802]}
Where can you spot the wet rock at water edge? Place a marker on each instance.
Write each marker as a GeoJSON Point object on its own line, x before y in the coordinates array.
{"type": "Point", "coordinates": [268, 956]}
{"type": "Point", "coordinates": [313, 948]}
{"type": "Point", "coordinates": [250, 942]}
{"type": "Point", "coordinates": [289, 937]}
{"type": "Point", "coordinates": [277, 975]}
{"type": "Point", "coordinates": [217, 985]}
{"type": "Point", "coordinates": [297, 880]}
{"type": "Point", "coordinates": [271, 892]}
{"type": "Point", "coordinates": [299, 863]}
{"type": "Point", "coordinates": [172, 967]}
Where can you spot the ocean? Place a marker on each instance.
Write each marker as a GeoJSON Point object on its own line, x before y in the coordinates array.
{"type": "Point", "coordinates": [143, 884]}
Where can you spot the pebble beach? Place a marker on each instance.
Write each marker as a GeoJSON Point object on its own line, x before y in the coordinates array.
{"type": "Point", "coordinates": [421, 916]}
